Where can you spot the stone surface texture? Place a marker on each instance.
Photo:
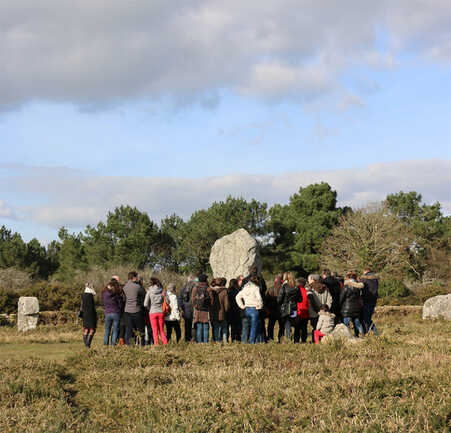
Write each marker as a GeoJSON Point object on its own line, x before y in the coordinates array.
{"type": "Point", "coordinates": [27, 313]}
{"type": "Point", "coordinates": [234, 254]}
{"type": "Point", "coordinates": [340, 332]}
{"type": "Point", "coordinates": [438, 306]}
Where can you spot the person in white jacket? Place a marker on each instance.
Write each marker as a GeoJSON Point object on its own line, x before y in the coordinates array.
{"type": "Point", "coordinates": [172, 319]}
{"type": "Point", "coordinates": [250, 300]}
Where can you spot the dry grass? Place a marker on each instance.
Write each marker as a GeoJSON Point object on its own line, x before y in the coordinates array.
{"type": "Point", "coordinates": [398, 382]}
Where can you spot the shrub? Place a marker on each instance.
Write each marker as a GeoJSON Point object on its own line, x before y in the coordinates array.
{"type": "Point", "coordinates": [393, 288]}
{"type": "Point", "coordinates": [14, 279]}
{"type": "Point", "coordinates": [8, 301]}
{"type": "Point", "coordinates": [426, 291]}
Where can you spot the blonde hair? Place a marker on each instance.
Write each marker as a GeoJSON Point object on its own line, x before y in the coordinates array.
{"type": "Point", "coordinates": [289, 278]}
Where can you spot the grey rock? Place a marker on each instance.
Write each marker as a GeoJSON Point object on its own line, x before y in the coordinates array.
{"type": "Point", "coordinates": [27, 313]}
{"type": "Point", "coordinates": [340, 332]}
{"type": "Point", "coordinates": [234, 254]}
{"type": "Point", "coordinates": [437, 306]}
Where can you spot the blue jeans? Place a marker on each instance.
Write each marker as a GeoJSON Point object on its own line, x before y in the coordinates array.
{"type": "Point", "coordinates": [287, 327]}
{"type": "Point", "coordinates": [358, 328]}
{"type": "Point", "coordinates": [245, 326]}
{"type": "Point", "coordinates": [220, 331]}
{"type": "Point", "coordinates": [253, 314]}
{"type": "Point", "coordinates": [202, 331]}
{"type": "Point", "coordinates": [367, 314]}
{"type": "Point", "coordinates": [111, 320]}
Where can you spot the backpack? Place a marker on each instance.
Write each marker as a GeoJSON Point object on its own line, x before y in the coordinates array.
{"type": "Point", "coordinates": [166, 306]}
{"type": "Point", "coordinates": [201, 299]}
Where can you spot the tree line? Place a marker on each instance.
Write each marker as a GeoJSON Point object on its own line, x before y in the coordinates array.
{"type": "Point", "coordinates": [401, 236]}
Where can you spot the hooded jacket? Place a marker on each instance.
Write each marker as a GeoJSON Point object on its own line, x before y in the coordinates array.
{"type": "Point", "coordinates": [220, 305]}
{"type": "Point", "coordinates": [154, 299]}
{"type": "Point", "coordinates": [318, 295]}
{"type": "Point", "coordinates": [326, 322]}
{"type": "Point", "coordinates": [370, 289]}
{"type": "Point", "coordinates": [184, 300]}
{"type": "Point", "coordinates": [350, 299]}
{"type": "Point", "coordinates": [249, 296]}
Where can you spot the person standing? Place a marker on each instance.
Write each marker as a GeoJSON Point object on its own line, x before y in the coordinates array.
{"type": "Point", "coordinates": [201, 302]}
{"type": "Point", "coordinates": [154, 303]}
{"type": "Point", "coordinates": [333, 285]}
{"type": "Point", "coordinates": [303, 313]}
{"type": "Point", "coordinates": [112, 302]}
{"type": "Point", "coordinates": [134, 312]}
{"type": "Point", "coordinates": [273, 308]}
{"type": "Point", "coordinates": [288, 299]}
{"type": "Point", "coordinates": [218, 310]}
{"type": "Point", "coordinates": [350, 302]}
{"type": "Point", "coordinates": [318, 295]}
{"type": "Point", "coordinates": [184, 301]}
{"type": "Point", "coordinates": [234, 313]}
{"type": "Point", "coordinates": [250, 300]}
{"type": "Point", "coordinates": [172, 320]}
{"type": "Point", "coordinates": [369, 298]}
{"type": "Point", "coordinates": [89, 314]}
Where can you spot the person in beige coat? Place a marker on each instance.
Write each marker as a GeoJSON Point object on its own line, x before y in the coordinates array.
{"type": "Point", "coordinates": [249, 299]}
{"type": "Point", "coordinates": [325, 325]}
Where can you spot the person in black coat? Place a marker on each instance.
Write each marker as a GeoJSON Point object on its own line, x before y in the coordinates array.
{"type": "Point", "coordinates": [288, 298]}
{"type": "Point", "coordinates": [333, 285]}
{"type": "Point", "coordinates": [369, 298]}
{"type": "Point", "coordinates": [89, 314]}
{"type": "Point", "coordinates": [186, 307]}
{"type": "Point", "coordinates": [351, 302]}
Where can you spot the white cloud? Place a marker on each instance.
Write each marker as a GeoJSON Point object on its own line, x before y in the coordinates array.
{"type": "Point", "coordinates": [96, 52]}
{"type": "Point", "coordinates": [6, 211]}
{"type": "Point", "coordinates": [75, 199]}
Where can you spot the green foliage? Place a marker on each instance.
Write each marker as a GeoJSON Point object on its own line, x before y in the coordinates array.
{"type": "Point", "coordinates": [393, 288]}
{"type": "Point", "coordinates": [221, 218]}
{"type": "Point", "coordinates": [8, 301]}
{"type": "Point", "coordinates": [300, 227]}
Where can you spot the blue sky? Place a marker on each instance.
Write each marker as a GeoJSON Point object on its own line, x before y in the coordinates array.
{"type": "Point", "coordinates": [88, 122]}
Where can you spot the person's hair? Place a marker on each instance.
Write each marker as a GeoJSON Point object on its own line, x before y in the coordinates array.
{"type": "Point", "coordinates": [202, 278]}
{"type": "Point", "coordinates": [115, 277]}
{"type": "Point", "coordinates": [278, 281]}
{"type": "Point", "coordinates": [191, 277]}
{"type": "Point", "coordinates": [301, 281]}
{"type": "Point", "coordinates": [155, 282]}
{"type": "Point", "coordinates": [289, 278]}
{"type": "Point", "coordinates": [255, 279]}
{"type": "Point", "coordinates": [215, 282]}
{"type": "Point", "coordinates": [171, 286]}
{"type": "Point", "coordinates": [113, 287]}
{"type": "Point", "coordinates": [333, 274]}
{"type": "Point", "coordinates": [352, 274]}
{"type": "Point", "coordinates": [366, 270]}
{"type": "Point", "coordinates": [315, 277]}
{"type": "Point", "coordinates": [233, 284]}
{"type": "Point", "coordinates": [326, 272]}
{"type": "Point", "coordinates": [132, 274]}
{"type": "Point", "coordinates": [253, 270]}
{"type": "Point", "coordinates": [223, 282]}
{"type": "Point", "coordinates": [324, 307]}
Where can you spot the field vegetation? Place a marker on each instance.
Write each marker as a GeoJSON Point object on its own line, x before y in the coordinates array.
{"type": "Point", "coordinates": [398, 382]}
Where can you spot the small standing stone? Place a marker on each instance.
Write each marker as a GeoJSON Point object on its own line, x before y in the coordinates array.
{"type": "Point", "coordinates": [437, 306]}
{"type": "Point", "coordinates": [27, 313]}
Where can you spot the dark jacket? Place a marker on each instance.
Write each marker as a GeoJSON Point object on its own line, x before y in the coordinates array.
{"type": "Point", "coordinates": [350, 299]}
{"type": "Point", "coordinates": [333, 285]}
{"type": "Point", "coordinates": [370, 289]}
{"type": "Point", "coordinates": [288, 299]}
{"type": "Point", "coordinates": [271, 303]}
{"type": "Point", "coordinates": [220, 304]}
{"type": "Point", "coordinates": [112, 302]}
{"type": "Point", "coordinates": [234, 313]}
{"type": "Point", "coordinates": [89, 312]}
{"type": "Point", "coordinates": [184, 300]}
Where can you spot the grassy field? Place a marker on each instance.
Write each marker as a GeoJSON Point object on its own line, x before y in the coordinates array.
{"type": "Point", "coordinates": [398, 382]}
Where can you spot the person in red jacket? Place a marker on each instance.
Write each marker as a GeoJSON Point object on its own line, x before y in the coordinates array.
{"type": "Point", "coordinates": [303, 314]}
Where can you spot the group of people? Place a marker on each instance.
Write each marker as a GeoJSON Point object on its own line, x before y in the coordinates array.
{"type": "Point", "coordinates": [244, 310]}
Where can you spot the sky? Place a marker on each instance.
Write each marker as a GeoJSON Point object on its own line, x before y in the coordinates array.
{"type": "Point", "coordinates": [169, 108]}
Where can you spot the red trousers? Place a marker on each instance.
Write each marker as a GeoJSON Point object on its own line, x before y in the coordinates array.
{"type": "Point", "coordinates": [157, 322]}
{"type": "Point", "coordinates": [317, 335]}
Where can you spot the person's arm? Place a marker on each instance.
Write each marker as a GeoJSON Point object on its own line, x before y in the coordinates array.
{"type": "Point", "coordinates": [147, 301]}
{"type": "Point", "coordinates": [240, 300]}
{"type": "Point", "coordinates": [226, 302]}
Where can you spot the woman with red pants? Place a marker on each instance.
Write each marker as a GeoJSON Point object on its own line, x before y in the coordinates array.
{"type": "Point", "coordinates": [154, 303]}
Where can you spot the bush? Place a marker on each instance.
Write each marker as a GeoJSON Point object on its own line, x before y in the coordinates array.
{"type": "Point", "coordinates": [393, 288]}
{"type": "Point", "coordinates": [426, 291]}
{"type": "Point", "coordinates": [14, 279]}
{"type": "Point", "coordinates": [8, 301]}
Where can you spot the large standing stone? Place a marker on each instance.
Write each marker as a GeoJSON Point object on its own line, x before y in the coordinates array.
{"type": "Point", "coordinates": [234, 254]}
{"type": "Point", "coordinates": [27, 313]}
{"type": "Point", "coordinates": [438, 306]}
{"type": "Point", "coordinates": [340, 332]}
